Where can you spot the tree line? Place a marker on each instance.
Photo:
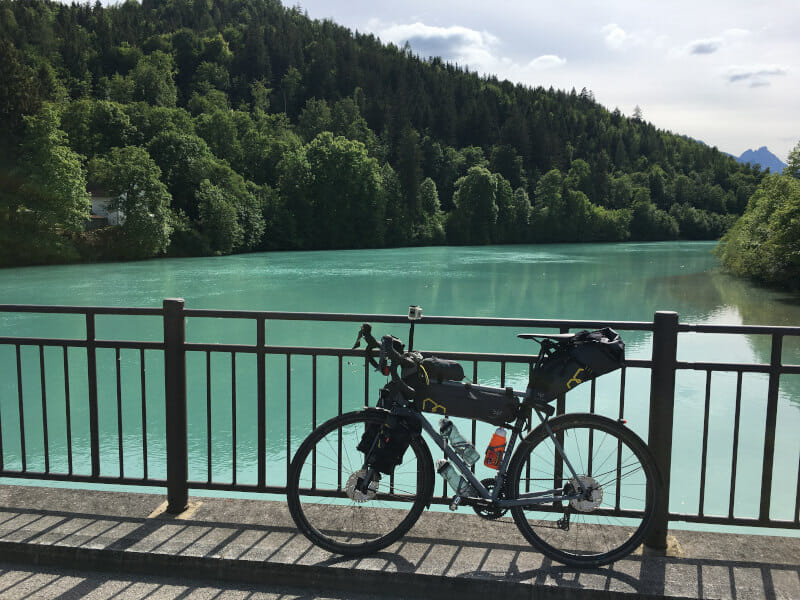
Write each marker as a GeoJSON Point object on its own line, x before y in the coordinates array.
{"type": "Point", "coordinates": [223, 126]}
{"type": "Point", "coordinates": [764, 244]}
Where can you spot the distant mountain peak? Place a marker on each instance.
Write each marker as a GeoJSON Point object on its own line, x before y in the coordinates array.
{"type": "Point", "coordinates": [762, 157]}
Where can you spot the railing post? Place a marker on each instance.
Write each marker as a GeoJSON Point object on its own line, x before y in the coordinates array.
{"type": "Point", "coordinates": [175, 400]}
{"type": "Point", "coordinates": [662, 409]}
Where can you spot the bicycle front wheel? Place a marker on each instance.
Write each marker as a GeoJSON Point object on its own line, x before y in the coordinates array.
{"type": "Point", "coordinates": [332, 511]}
{"type": "Point", "coordinates": [620, 482]}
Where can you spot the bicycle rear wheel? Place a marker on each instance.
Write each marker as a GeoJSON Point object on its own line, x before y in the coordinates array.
{"type": "Point", "coordinates": [325, 503]}
{"type": "Point", "coordinates": [616, 468]}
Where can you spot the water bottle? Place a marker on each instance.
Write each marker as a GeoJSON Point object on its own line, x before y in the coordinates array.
{"type": "Point", "coordinates": [461, 446]}
{"type": "Point", "coordinates": [455, 480]}
{"type": "Point", "coordinates": [497, 446]}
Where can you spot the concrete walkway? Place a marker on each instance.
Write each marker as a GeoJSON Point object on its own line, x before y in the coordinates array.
{"type": "Point", "coordinates": [445, 555]}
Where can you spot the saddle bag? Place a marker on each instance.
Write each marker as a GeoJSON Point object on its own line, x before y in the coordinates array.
{"type": "Point", "coordinates": [584, 357]}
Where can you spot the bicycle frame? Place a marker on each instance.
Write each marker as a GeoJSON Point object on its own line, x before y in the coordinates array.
{"type": "Point", "coordinates": [542, 497]}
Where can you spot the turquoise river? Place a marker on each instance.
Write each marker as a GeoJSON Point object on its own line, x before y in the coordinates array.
{"type": "Point", "coordinates": [613, 282]}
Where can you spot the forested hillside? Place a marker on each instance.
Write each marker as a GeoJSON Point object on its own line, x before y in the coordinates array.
{"type": "Point", "coordinates": [226, 126]}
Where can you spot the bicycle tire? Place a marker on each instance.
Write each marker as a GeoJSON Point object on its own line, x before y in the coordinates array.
{"type": "Point", "coordinates": [317, 488]}
{"type": "Point", "coordinates": [606, 456]}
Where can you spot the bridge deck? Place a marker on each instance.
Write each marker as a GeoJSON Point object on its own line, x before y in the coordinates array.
{"type": "Point", "coordinates": [255, 541]}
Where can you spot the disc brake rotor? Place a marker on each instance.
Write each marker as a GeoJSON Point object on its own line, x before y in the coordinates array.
{"type": "Point", "coordinates": [357, 495]}
{"type": "Point", "coordinates": [591, 500]}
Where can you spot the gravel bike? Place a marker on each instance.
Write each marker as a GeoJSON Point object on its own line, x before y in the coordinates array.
{"type": "Point", "coordinates": [581, 488]}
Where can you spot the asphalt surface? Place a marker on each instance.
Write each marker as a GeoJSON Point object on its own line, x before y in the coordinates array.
{"type": "Point", "coordinates": [114, 544]}
{"type": "Point", "coordinates": [18, 582]}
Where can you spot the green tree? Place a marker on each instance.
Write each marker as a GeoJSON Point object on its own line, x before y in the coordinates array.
{"type": "Point", "coordinates": [430, 229]}
{"type": "Point", "coordinates": [764, 244]}
{"type": "Point", "coordinates": [43, 203]}
{"type": "Point", "coordinates": [409, 169]}
{"type": "Point", "coordinates": [475, 214]}
{"type": "Point", "coordinates": [153, 80]}
{"type": "Point", "coordinates": [132, 178]}
{"type": "Point", "coordinates": [218, 220]}
{"type": "Point", "coordinates": [793, 163]}
{"type": "Point", "coordinates": [314, 119]}
{"type": "Point", "coordinates": [333, 188]}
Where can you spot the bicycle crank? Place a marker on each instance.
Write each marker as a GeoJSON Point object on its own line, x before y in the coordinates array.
{"type": "Point", "coordinates": [488, 511]}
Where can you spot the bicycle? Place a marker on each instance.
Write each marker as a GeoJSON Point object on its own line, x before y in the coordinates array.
{"type": "Point", "coordinates": [581, 488]}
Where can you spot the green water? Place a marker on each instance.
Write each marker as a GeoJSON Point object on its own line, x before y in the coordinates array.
{"type": "Point", "coordinates": [575, 281]}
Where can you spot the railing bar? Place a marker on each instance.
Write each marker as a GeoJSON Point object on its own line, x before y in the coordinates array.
{"type": "Point", "coordinates": [91, 367]}
{"type": "Point", "coordinates": [430, 320]}
{"type": "Point", "coordinates": [81, 310]}
{"type": "Point", "coordinates": [233, 415]}
{"type": "Point", "coordinates": [561, 408]}
{"type": "Point", "coordinates": [34, 475]}
{"type": "Point", "coordinates": [2, 458]}
{"type": "Point", "coordinates": [617, 500]}
{"type": "Point", "coordinates": [339, 436]}
{"type": "Point", "coordinates": [704, 458]}
{"type": "Point", "coordinates": [261, 375]}
{"type": "Point", "coordinates": [119, 412]}
{"type": "Point", "coordinates": [366, 380]}
{"type": "Point", "coordinates": [23, 453]}
{"type": "Point", "coordinates": [474, 429]}
{"type": "Point", "coordinates": [208, 416]}
{"type": "Point", "coordinates": [770, 424]}
{"type": "Point", "coordinates": [314, 420]}
{"type": "Point", "coordinates": [143, 386]}
{"type": "Point", "coordinates": [45, 433]}
{"type": "Point", "coordinates": [35, 341]}
{"type": "Point", "coordinates": [67, 410]}
{"type": "Point", "coordinates": [797, 501]}
{"type": "Point", "coordinates": [340, 390]}
{"type": "Point", "coordinates": [735, 453]}
{"type": "Point", "coordinates": [590, 459]}
{"type": "Point", "coordinates": [288, 413]}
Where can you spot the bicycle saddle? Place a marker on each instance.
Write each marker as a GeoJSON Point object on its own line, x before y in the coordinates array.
{"type": "Point", "coordinates": [562, 337]}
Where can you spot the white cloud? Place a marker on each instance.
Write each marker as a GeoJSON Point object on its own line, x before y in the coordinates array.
{"type": "Point", "coordinates": [547, 61]}
{"type": "Point", "coordinates": [705, 46]}
{"type": "Point", "coordinates": [728, 38]}
{"type": "Point", "coordinates": [754, 75]}
{"type": "Point", "coordinates": [455, 43]}
{"type": "Point", "coordinates": [615, 36]}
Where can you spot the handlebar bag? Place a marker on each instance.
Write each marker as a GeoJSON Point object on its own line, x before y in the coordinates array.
{"type": "Point", "coordinates": [439, 369]}
{"type": "Point", "coordinates": [584, 357]}
{"type": "Point", "coordinates": [453, 399]}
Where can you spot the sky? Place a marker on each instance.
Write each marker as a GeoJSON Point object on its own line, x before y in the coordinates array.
{"type": "Point", "coordinates": [724, 72]}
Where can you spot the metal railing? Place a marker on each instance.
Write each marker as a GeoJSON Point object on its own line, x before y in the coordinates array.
{"type": "Point", "coordinates": [169, 396]}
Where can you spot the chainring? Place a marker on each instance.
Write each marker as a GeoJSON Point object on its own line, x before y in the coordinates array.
{"type": "Point", "coordinates": [490, 513]}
